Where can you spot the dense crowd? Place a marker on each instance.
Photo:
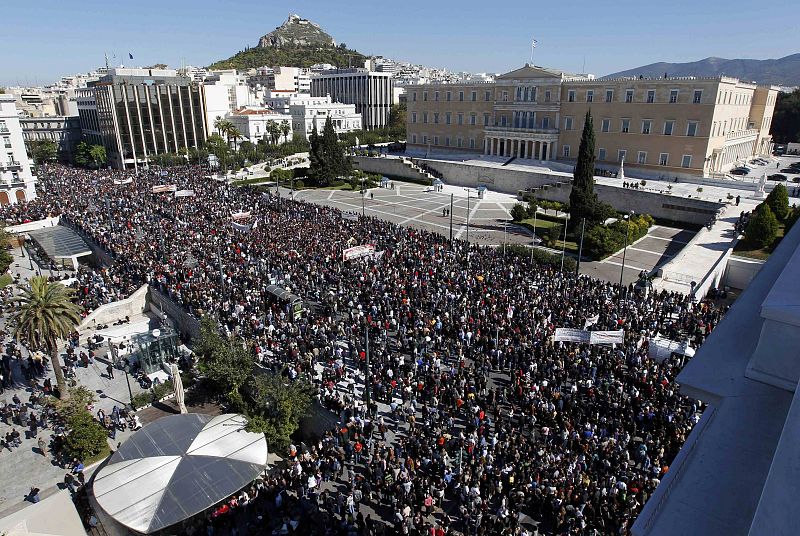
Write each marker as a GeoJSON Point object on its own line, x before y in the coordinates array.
{"type": "Point", "coordinates": [479, 422]}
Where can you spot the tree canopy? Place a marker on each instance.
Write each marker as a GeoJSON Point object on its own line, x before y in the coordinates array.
{"type": "Point", "coordinates": [786, 118]}
{"type": "Point", "coordinates": [762, 227]}
{"type": "Point", "coordinates": [90, 155]}
{"type": "Point", "coordinates": [583, 201]}
{"type": "Point", "coordinates": [778, 201]}
{"type": "Point", "coordinates": [327, 157]}
{"type": "Point", "coordinates": [43, 151]}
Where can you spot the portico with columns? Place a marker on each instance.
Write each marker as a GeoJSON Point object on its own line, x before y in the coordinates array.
{"type": "Point", "coordinates": [532, 147]}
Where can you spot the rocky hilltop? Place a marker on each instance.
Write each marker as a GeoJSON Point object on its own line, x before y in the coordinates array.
{"type": "Point", "coordinates": [297, 32]}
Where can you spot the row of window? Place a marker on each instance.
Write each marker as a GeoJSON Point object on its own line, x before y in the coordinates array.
{"type": "Point", "coordinates": [641, 157]}
{"type": "Point", "coordinates": [729, 97]}
{"type": "Point", "coordinates": [630, 95]}
{"type": "Point", "coordinates": [448, 95]}
{"type": "Point", "coordinates": [692, 127]}
{"type": "Point", "coordinates": [434, 140]}
{"type": "Point", "coordinates": [436, 117]}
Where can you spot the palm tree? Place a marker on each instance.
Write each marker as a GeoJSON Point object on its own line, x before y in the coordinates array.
{"type": "Point", "coordinates": [219, 124]}
{"type": "Point", "coordinates": [234, 133]}
{"type": "Point", "coordinates": [285, 129]}
{"type": "Point", "coordinates": [274, 131]}
{"type": "Point", "coordinates": [43, 315]}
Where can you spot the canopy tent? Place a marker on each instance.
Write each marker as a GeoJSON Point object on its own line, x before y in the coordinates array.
{"type": "Point", "coordinates": [177, 467]}
{"type": "Point", "coordinates": [60, 242]}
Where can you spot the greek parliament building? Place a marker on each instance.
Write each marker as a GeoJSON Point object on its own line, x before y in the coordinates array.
{"type": "Point", "coordinates": [137, 113]}
{"type": "Point", "coordinates": [667, 126]}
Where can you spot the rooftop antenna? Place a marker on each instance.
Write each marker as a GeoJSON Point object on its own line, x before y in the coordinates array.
{"type": "Point", "coordinates": [583, 69]}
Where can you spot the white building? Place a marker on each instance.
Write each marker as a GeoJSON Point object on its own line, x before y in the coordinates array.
{"type": "Point", "coordinates": [370, 91]}
{"type": "Point", "coordinates": [253, 123]}
{"type": "Point", "coordinates": [17, 183]}
{"type": "Point", "coordinates": [307, 112]}
{"type": "Point", "coordinates": [295, 79]}
{"type": "Point", "coordinates": [225, 92]}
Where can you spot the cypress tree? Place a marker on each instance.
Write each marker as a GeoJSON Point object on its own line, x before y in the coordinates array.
{"type": "Point", "coordinates": [762, 227]}
{"type": "Point", "coordinates": [582, 199]}
{"type": "Point", "coordinates": [778, 201]}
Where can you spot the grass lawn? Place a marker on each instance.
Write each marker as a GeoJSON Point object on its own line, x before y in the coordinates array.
{"type": "Point", "coordinates": [540, 224]}
{"type": "Point", "coordinates": [751, 251]}
{"type": "Point", "coordinates": [253, 180]}
{"type": "Point", "coordinates": [5, 280]}
{"type": "Point", "coordinates": [572, 247]}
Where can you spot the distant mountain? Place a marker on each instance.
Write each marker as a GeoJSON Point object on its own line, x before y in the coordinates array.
{"type": "Point", "coordinates": [297, 42]}
{"type": "Point", "coordinates": [784, 71]}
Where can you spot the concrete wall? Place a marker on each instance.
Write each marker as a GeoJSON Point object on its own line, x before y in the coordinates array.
{"type": "Point", "coordinates": [393, 167]}
{"type": "Point", "coordinates": [187, 325]}
{"type": "Point", "coordinates": [740, 271]}
{"type": "Point", "coordinates": [134, 304]}
{"type": "Point", "coordinates": [33, 226]}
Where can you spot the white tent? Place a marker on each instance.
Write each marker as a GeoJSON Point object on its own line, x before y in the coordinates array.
{"type": "Point", "coordinates": [176, 467]}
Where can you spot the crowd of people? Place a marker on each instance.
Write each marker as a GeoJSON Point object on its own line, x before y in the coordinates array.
{"type": "Point", "coordinates": [478, 421]}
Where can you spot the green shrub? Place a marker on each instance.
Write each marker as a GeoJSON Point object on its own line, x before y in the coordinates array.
{"type": "Point", "coordinates": [141, 400]}
{"type": "Point", "coordinates": [86, 438]}
{"type": "Point", "coordinates": [778, 201]}
{"type": "Point", "coordinates": [603, 240]}
{"type": "Point", "coordinates": [519, 212]}
{"type": "Point", "coordinates": [299, 185]}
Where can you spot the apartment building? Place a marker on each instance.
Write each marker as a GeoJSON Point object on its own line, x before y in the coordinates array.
{"type": "Point", "coordinates": [17, 183]}
{"type": "Point", "coordinates": [65, 132]}
{"type": "Point", "coordinates": [667, 126]}
{"type": "Point", "coordinates": [370, 91]}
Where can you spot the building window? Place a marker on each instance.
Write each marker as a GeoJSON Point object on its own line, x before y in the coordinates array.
{"type": "Point", "coordinates": [414, 96]}
{"type": "Point", "coordinates": [460, 119]}
{"type": "Point", "coordinates": [413, 138]}
{"type": "Point", "coordinates": [461, 96]}
{"type": "Point", "coordinates": [424, 139]}
{"type": "Point", "coordinates": [691, 129]}
{"type": "Point", "coordinates": [448, 118]}
{"type": "Point", "coordinates": [486, 120]}
{"type": "Point", "coordinates": [668, 127]}
{"type": "Point", "coordinates": [651, 96]}
{"type": "Point", "coordinates": [601, 154]}
{"type": "Point", "coordinates": [628, 95]}
{"type": "Point", "coordinates": [547, 96]}
{"type": "Point", "coordinates": [609, 95]}
{"type": "Point", "coordinates": [698, 96]}
{"type": "Point", "coordinates": [503, 120]}
{"type": "Point", "coordinates": [473, 119]}
{"type": "Point", "coordinates": [641, 157]}
{"type": "Point", "coordinates": [424, 95]}
{"type": "Point", "coordinates": [449, 96]}
{"type": "Point", "coordinates": [460, 142]}
{"type": "Point", "coordinates": [567, 123]}
{"type": "Point", "coordinates": [589, 95]}
{"type": "Point", "coordinates": [473, 96]}
{"type": "Point", "coordinates": [487, 96]}
{"type": "Point", "coordinates": [626, 125]}
{"type": "Point", "coordinates": [565, 150]}
{"type": "Point", "coordinates": [424, 117]}
{"type": "Point", "coordinates": [686, 161]}
{"type": "Point", "coordinates": [621, 155]}
{"type": "Point", "coordinates": [7, 142]}
{"type": "Point", "coordinates": [447, 141]}
{"type": "Point", "coordinates": [545, 122]}
{"type": "Point", "coordinates": [647, 125]}
{"type": "Point", "coordinates": [472, 143]}
{"type": "Point", "coordinates": [663, 158]}
{"type": "Point", "coordinates": [673, 96]}
{"type": "Point", "coordinates": [436, 96]}
{"type": "Point", "coordinates": [436, 140]}
{"type": "Point", "coordinates": [505, 96]}
{"type": "Point", "coordinates": [436, 117]}
{"type": "Point", "coordinates": [571, 95]}
{"type": "Point", "coordinates": [605, 125]}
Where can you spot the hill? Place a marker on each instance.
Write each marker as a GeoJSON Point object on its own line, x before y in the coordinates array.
{"type": "Point", "coordinates": [783, 71]}
{"type": "Point", "coordinates": [295, 43]}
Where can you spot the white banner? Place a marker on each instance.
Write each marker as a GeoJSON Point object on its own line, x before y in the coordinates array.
{"type": "Point", "coordinates": [120, 182]}
{"type": "Point", "coordinates": [164, 188]}
{"type": "Point", "coordinates": [184, 193]}
{"type": "Point", "coordinates": [571, 335]}
{"type": "Point", "coordinates": [591, 321]}
{"type": "Point", "coordinates": [661, 349]}
{"type": "Point", "coordinates": [607, 337]}
{"type": "Point", "coordinates": [358, 252]}
{"type": "Point", "coordinates": [236, 216]}
{"type": "Point", "coordinates": [245, 227]}
{"type": "Point", "coordinates": [351, 216]}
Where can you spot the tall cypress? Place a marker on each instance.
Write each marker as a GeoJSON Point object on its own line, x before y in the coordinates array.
{"type": "Point", "coordinates": [582, 199]}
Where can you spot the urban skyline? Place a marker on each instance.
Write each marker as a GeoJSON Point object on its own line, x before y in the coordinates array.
{"type": "Point", "coordinates": [181, 35]}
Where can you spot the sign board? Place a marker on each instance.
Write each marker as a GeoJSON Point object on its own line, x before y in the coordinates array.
{"type": "Point", "coordinates": [184, 193]}
{"type": "Point", "coordinates": [607, 337]}
{"type": "Point", "coordinates": [164, 188]}
{"type": "Point", "coordinates": [571, 335]}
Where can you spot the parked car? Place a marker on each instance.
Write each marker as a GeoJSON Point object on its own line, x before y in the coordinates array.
{"type": "Point", "coordinates": [740, 171]}
{"type": "Point", "coordinates": [777, 177]}
{"type": "Point", "coordinates": [790, 170]}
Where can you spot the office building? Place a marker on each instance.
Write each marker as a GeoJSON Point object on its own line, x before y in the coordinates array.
{"type": "Point", "coordinates": [143, 112]}
{"type": "Point", "coordinates": [370, 91]}
{"type": "Point", "coordinates": [65, 132]}
{"type": "Point", "coordinates": [17, 183]}
{"type": "Point", "coordinates": [664, 127]}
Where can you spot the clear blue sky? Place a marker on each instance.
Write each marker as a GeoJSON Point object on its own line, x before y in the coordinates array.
{"type": "Point", "coordinates": [43, 39]}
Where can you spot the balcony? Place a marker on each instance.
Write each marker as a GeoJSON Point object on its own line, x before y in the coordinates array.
{"type": "Point", "coordinates": [11, 165]}
{"type": "Point", "coordinates": [741, 135]}
{"type": "Point", "coordinates": [4, 130]}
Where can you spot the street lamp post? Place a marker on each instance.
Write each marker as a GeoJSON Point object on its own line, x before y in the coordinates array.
{"type": "Point", "coordinates": [564, 243]}
{"type": "Point", "coordinates": [127, 369]}
{"type": "Point", "coordinates": [468, 192]}
{"type": "Point", "coordinates": [580, 249]}
{"type": "Point", "coordinates": [625, 251]}
{"type": "Point", "coordinates": [451, 221]}
{"type": "Point", "coordinates": [363, 198]}
{"type": "Point", "coordinates": [367, 375]}
{"type": "Point", "coordinates": [533, 238]}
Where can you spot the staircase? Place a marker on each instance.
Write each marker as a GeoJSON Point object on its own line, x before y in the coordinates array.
{"type": "Point", "coordinates": [423, 175]}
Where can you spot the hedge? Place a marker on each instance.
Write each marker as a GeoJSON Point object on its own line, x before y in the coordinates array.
{"type": "Point", "coordinates": [603, 240]}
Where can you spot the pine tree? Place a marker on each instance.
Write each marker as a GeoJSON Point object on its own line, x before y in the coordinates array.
{"type": "Point", "coordinates": [582, 199]}
{"type": "Point", "coordinates": [778, 201]}
{"type": "Point", "coordinates": [317, 171]}
{"type": "Point", "coordinates": [763, 227]}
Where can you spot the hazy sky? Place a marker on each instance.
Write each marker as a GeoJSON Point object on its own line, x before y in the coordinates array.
{"type": "Point", "coordinates": [41, 40]}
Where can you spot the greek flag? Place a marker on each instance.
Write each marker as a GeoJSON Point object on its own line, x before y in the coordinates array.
{"type": "Point", "coordinates": [533, 43]}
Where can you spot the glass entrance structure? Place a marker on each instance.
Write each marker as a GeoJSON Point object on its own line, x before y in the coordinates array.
{"type": "Point", "coordinates": [154, 348]}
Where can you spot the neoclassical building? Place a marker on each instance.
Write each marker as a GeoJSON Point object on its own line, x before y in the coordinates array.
{"type": "Point", "coordinates": [686, 125]}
